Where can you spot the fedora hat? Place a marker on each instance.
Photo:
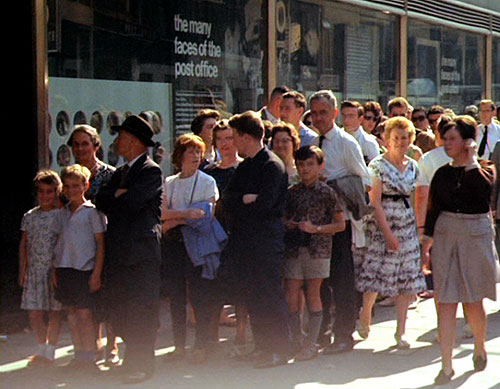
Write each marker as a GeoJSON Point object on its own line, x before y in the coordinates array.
{"type": "Point", "coordinates": [138, 127]}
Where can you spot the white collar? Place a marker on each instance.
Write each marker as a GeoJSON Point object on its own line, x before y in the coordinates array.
{"type": "Point", "coordinates": [130, 163]}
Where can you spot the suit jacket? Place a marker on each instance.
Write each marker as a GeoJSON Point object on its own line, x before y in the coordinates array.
{"type": "Point", "coordinates": [134, 226]}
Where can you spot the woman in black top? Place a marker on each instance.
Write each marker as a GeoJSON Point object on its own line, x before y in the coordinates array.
{"type": "Point", "coordinates": [459, 228]}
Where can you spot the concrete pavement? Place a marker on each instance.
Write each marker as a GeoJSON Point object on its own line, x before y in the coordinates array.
{"type": "Point", "coordinates": [374, 363]}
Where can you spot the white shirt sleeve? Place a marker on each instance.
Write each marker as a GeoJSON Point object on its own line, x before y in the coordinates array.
{"type": "Point", "coordinates": [353, 158]}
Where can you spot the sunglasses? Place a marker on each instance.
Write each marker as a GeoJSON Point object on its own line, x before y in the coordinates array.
{"type": "Point", "coordinates": [372, 118]}
{"type": "Point", "coordinates": [419, 119]}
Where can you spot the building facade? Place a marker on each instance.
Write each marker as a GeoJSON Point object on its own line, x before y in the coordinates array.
{"type": "Point", "coordinates": [89, 61]}
{"type": "Point", "coordinates": [168, 59]}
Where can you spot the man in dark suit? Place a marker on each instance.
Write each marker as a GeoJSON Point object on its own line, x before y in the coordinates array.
{"type": "Point", "coordinates": [131, 200]}
{"type": "Point", "coordinates": [255, 200]}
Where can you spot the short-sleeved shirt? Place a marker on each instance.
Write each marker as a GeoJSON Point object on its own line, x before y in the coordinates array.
{"type": "Point", "coordinates": [430, 163]}
{"type": "Point", "coordinates": [76, 246]}
{"type": "Point", "coordinates": [317, 203]}
{"type": "Point", "coordinates": [179, 193]}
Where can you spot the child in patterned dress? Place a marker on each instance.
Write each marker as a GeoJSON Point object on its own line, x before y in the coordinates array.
{"type": "Point", "coordinates": [36, 255]}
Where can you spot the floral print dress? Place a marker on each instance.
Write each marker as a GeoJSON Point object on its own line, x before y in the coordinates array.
{"type": "Point", "coordinates": [387, 272]}
{"type": "Point", "coordinates": [38, 293]}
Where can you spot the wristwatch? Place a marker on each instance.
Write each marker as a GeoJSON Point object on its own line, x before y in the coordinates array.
{"type": "Point", "coordinates": [319, 229]}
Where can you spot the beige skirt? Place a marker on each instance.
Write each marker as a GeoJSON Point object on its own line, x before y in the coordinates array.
{"type": "Point", "coordinates": [463, 258]}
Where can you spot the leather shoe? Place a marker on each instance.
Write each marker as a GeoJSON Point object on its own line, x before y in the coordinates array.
{"type": "Point", "coordinates": [271, 360]}
{"type": "Point", "coordinates": [136, 377]}
{"type": "Point", "coordinates": [338, 348]}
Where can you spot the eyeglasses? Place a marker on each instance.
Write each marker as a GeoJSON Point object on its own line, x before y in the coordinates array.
{"type": "Point", "coordinates": [372, 118]}
{"type": "Point", "coordinates": [486, 110]}
{"type": "Point", "coordinates": [418, 119]}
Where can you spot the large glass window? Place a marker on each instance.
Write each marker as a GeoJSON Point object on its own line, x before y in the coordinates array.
{"type": "Point", "coordinates": [350, 50]}
{"type": "Point", "coordinates": [496, 70]}
{"type": "Point", "coordinates": [165, 59]}
{"type": "Point", "coordinates": [445, 66]}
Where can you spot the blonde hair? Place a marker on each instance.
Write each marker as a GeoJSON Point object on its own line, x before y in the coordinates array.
{"type": "Point", "coordinates": [399, 122]}
{"type": "Point", "coordinates": [77, 171]}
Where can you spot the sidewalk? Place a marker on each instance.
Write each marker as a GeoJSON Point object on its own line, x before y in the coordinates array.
{"type": "Point", "coordinates": [372, 364]}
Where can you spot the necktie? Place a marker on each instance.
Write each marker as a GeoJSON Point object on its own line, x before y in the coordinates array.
{"type": "Point", "coordinates": [123, 178]}
{"type": "Point", "coordinates": [482, 146]}
{"type": "Point", "coordinates": [321, 139]}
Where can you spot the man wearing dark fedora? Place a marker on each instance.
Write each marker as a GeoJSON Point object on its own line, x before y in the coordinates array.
{"type": "Point", "coordinates": [131, 201]}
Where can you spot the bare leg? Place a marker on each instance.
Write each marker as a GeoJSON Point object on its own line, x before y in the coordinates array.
{"type": "Point", "coordinates": [86, 329]}
{"type": "Point", "coordinates": [75, 332]}
{"type": "Point", "coordinates": [447, 333]}
{"type": "Point", "coordinates": [54, 327]}
{"type": "Point", "coordinates": [365, 316]}
{"type": "Point", "coordinates": [37, 322]}
{"type": "Point", "coordinates": [402, 303]}
{"type": "Point", "coordinates": [476, 317]}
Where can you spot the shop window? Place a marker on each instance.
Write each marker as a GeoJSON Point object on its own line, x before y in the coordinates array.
{"type": "Point", "coordinates": [445, 66]}
{"type": "Point", "coordinates": [327, 45]}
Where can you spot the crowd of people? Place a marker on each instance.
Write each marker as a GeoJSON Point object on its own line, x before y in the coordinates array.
{"type": "Point", "coordinates": [278, 212]}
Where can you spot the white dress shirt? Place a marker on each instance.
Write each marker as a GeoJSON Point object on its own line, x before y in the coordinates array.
{"type": "Point", "coordinates": [369, 145]}
{"type": "Point", "coordinates": [493, 138]}
{"type": "Point", "coordinates": [343, 156]}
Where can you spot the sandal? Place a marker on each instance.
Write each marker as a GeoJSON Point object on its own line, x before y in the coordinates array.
{"type": "Point", "coordinates": [401, 342]}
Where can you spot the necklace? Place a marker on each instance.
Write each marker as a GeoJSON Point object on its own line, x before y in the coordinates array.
{"type": "Point", "coordinates": [459, 176]}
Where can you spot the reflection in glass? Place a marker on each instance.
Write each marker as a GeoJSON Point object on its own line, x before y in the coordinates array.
{"type": "Point", "coordinates": [444, 66]}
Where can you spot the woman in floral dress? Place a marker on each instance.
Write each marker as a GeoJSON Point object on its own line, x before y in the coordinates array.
{"type": "Point", "coordinates": [390, 261]}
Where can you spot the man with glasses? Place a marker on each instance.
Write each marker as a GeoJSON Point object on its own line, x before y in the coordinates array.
{"type": "Point", "coordinates": [425, 138]}
{"type": "Point", "coordinates": [352, 113]}
{"type": "Point", "coordinates": [398, 106]}
{"type": "Point", "coordinates": [489, 130]}
{"type": "Point", "coordinates": [343, 158]}
{"type": "Point", "coordinates": [434, 114]}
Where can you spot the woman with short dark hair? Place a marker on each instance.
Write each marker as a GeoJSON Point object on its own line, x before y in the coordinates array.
{"type": "Point", "coordinates": [459, 229]}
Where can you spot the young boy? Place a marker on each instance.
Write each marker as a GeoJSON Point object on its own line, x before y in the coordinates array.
{"type": "Point", "coordinates": [79, 262]}
{"type": "Point", "coordinates": [313, 215]}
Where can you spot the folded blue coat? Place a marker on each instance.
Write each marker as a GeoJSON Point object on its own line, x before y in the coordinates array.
{"type": "Point", "coordinates": [204, 240]}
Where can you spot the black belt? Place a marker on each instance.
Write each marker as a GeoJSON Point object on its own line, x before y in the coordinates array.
{"type": "Point", "coordinates": [397, 198]}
